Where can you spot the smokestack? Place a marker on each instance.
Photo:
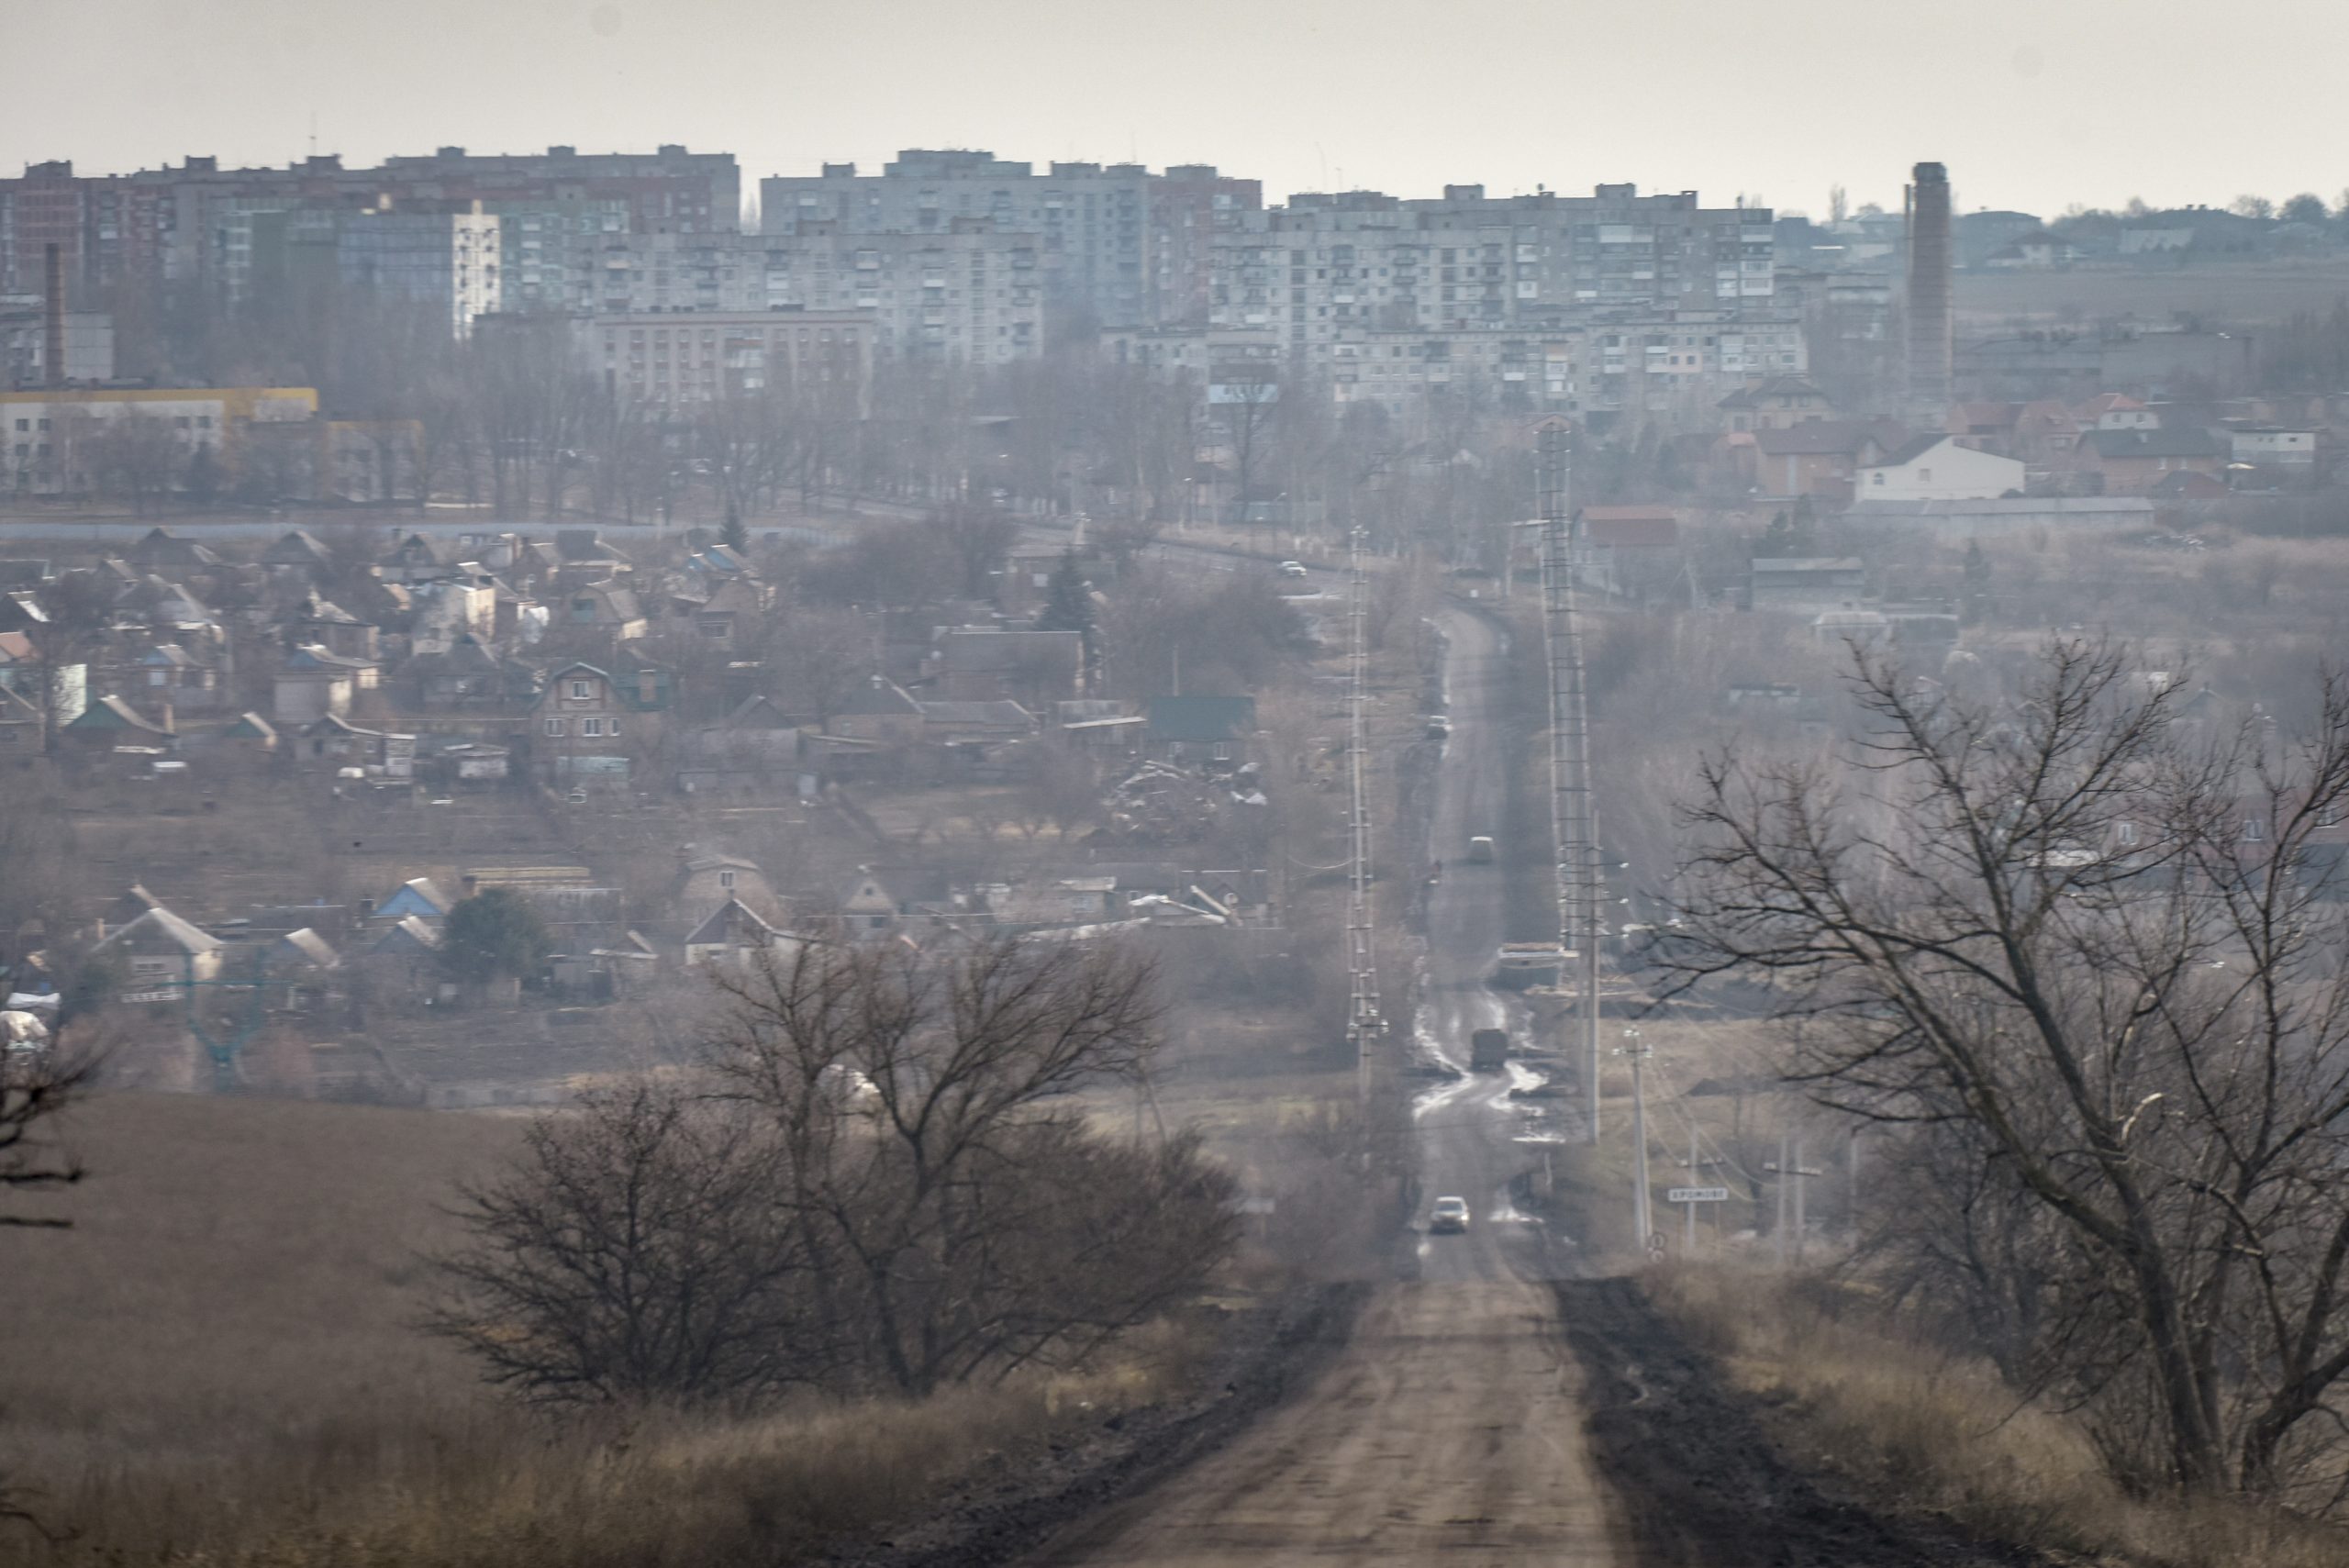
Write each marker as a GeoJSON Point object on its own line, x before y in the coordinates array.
{"type": "Point", "coordinates": [1931, 320]}
{"type": "Point", "coordinates": [54, 322]}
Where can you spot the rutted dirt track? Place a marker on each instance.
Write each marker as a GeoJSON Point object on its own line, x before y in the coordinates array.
{"type": "Point", "coordinates": [1694, 1478]}
{"type": "Point", "coordinates": [1450, 1431]}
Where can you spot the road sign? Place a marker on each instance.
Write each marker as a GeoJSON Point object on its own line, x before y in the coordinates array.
{"type": "Point", "coordinates": [1696, 1195]}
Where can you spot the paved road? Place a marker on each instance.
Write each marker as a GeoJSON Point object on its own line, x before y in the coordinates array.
{"type": "Point", "coordinates": [1451, 1428]}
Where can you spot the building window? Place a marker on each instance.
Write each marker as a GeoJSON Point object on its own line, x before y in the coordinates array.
{"type": "Point", "coordinates": [552, 727]}
{"type": "Point", "coordinates": [591, 727]}
{"type": "Point", "coordinates": [726, 880]}
{"type": "Point", "coordinates": [2254, 831]}
{"type": "Point", "coordinates": [2124, 832]}
{"type": "Point", "coordinates": [580, 690]}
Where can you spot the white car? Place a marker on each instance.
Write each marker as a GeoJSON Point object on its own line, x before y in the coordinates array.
{"type": "Point", "coordinates": [1449, 1217]}
{"type": "Point", "coordinates": [1292, 569]}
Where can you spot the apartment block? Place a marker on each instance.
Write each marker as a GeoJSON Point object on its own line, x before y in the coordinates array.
{"type": "Point", "coordinates": [1115, 243]}
{"type": "Point", "coordinates": [674, 358]}
{"type": "Point", "coordinates": [969, 294]}
{"type": "Point", "coordinates": [1326, 265]}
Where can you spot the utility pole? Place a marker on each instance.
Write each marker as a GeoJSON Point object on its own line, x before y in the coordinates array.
{"type": "Point", "coordinates": [1643, 1224]}
{"type": "Point", "coordinates": [1574, 822]}
{"type": "Point", "coordinates": [1785, 1170]}
{"type": "Point", "coordinates": [1688, 1244]}
{"type": "Point", "coordinates": [1364, 1022]}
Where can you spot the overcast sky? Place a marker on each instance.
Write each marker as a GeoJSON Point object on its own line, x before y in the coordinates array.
{"type": "Point", "coordinates": [2032, 103]}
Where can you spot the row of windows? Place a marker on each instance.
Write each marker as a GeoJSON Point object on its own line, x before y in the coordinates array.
{"type": "Point", "coordinates": [589, 728]}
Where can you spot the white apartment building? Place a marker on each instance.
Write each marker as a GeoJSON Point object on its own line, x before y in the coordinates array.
{"type": "Point", "coordinates": [1087, 222]}
{"type": "Point", "coordinates": [675, 359]}
{"type": "Point", "coordinates": [969, 295]}
{"type": "Point", "coordinates": [1326, 265]}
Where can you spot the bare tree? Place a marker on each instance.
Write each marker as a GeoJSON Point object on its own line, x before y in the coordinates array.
{"type": "Point", "coordinates": [2108, 959]}
{"type": "Point", "coordinates": [37, 1082]}
{"type": "Point", "coordinates": [635, 1250]}
{"type": "Point", "coordinates": [970, 1222]}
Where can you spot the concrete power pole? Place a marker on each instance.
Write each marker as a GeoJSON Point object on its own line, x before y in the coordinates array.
{"type": "Point", "coordinates": [1364, 1020]}
{"type": "Point", "coordinates": [1643, 1225]}
{"type": "Point", "coordinates": [1574, 822]}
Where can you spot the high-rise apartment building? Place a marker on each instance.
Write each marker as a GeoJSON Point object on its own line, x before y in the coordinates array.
{"type": "Point", "coordinates": [967, 294]}
{"type": "Point", "coordinates": [1326, 265]}
{"type": "Point", "coordinates": [1117, 243]}
{"type": "Point", "coordinates": [672, 360]}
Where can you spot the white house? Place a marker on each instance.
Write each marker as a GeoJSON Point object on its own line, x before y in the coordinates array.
{"type": "Point", "coordinates": [1935, 468]}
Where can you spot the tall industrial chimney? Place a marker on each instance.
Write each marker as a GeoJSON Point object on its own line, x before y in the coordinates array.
{"type": "Point", "coordinates": [1930, 318]}
{"type": "Point", "coordinates": [52, 344]}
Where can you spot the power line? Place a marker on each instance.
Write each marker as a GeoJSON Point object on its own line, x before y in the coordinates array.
{"type": "Point", "coordinates": [1364, 1022]}
{"type": "Point", "coordinates": [1574, 821]}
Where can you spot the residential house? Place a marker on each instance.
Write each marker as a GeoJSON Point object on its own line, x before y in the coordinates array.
{"type": "Point", "coordinates": [951, 723]}
{"type": "Point", "coordinates": [164, 954]}
{"type": "Point", "coordinates": [322, 621]}
{"type": "Point", "coordinates": [706, 878]}
{"type": "Point", "coordinates": [607, 607]}
{"type": "Point", "coordinates": [162, 548]}
{"type": "Point", "coordinates": [170, 674]}
{"type": "Point", "coordinates": [734, 937]}
{"type": "Point", "coordinates": [313, 684]}
{"type": "Point", "coordinates": [299, 551]}
{"type": "Point", "coordinates": [1985, 427]}
{"type": "Point", "coordinates": [2131, 462]}
{"type": "Point", "coordinates": [411, 937]}
{"type": "Point", "coordinates": [2273, 446]}
{"type": "Point", "coordinates": [1807, 584]}
{"type": "Point", "coordinates": [418, 896]}
{"type": "Point", "coordinates": [1215, 730]}
{"type": "Point", "coordinates": [23, 673]}
{"type": "Point", "coordinates": [2116, 411]}
{"type": "Point", "coordinates": [720, 612]}
{"type": "Point", "coordinates": [584, 551]}
{"type": "Point", "coordinates": [580, 739]}
{"type": "Point", "coordinates": [1778, 404]}
{"type": "Point", "coordinates": [333, 741]}
{"type": "Point", "coordinates": [754, 746]}
{"type": "Point", "coordinates": [110, 722]}
{"type": "Point", "coordinates": [252, 733]}
{"type": "Point", "coordinates": [2046, 431]}
{"type": "Point", "coordinates": [883, 712]}
{"type": "Point", "coordinates": [1937, 468]}
{"type": "Point", "coordinates": [464, 678]}
{"type": "Point", "coordinates": [979, 663]}
{"type": "Point", "coordinates": [422, 558]}
{"type": "Point", "coordinates": [1100, 727]}
{"type": "Point", "coordinates": [1822, 458]}
{"type": "Point", "coordinates": [20, 726]}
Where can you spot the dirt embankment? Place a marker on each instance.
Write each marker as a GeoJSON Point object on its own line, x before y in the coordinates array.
{"type": "Point", "coordinates": [1698, 1481]}
{"type": "Point", "coordinates": [1002, 1514]}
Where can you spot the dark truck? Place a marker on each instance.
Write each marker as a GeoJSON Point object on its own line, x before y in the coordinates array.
{"type": "Point", "coordinates": [1487, 1050]}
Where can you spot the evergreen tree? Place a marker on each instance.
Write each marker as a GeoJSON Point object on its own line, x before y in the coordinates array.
{"type": "Point", "coordinates": [1068, 602]}
{"type": "Point", "coordinates": [495, 934]}
{"type": "Point", "coordinates": [734, 536]}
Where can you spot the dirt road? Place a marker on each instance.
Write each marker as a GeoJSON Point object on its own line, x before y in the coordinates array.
{"type": "Point", "coordinates": [1450, 1431]}
{"type": "Point", "coordinates": [1451, 1426]}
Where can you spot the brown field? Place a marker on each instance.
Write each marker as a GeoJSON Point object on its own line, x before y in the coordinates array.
{"type": "Point", "coordinates": [2250, 293]}
{"type": "Point", "coordinates": [217, 1366]}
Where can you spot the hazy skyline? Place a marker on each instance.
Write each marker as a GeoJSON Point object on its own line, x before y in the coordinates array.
{"type": "Point", "coordinates": [2031, 106]}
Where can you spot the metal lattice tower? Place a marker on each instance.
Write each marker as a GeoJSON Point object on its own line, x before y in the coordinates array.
{"type": "Point", "coordinates": [1365, 1023]}
{"type": "Point", "coordinates": [1573, 818]}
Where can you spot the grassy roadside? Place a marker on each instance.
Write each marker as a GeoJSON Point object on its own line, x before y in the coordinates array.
{"type": "Point", "coordinates": [1913, 1425]}
{"type": "Point", "coordinates": [217, 1365]}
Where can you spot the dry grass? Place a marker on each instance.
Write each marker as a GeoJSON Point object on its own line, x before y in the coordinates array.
{"type": "Point", "coordinates": [1943, 1432]}
{"type": "Point", "coordinates": [218, 1366]}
